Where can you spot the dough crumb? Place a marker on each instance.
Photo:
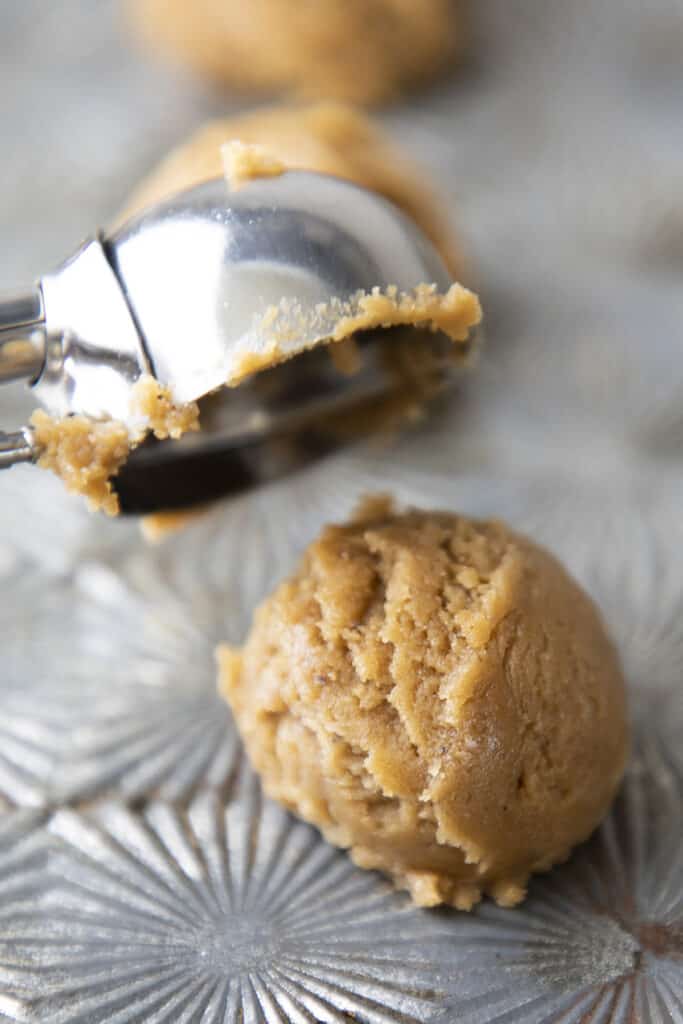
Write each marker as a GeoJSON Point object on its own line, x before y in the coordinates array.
{"type": "Point", "coordinates": [283, 328]}
{"type": "Point", "coordinates": [156, 528]}
{"type": "Point", "coordinates": [437, 695]}
{"type": "Point", "coordinates": [346, 357]}
{"type": "Point", "coordinates": [154, 403]}
{"type": "Point", "coordinates": [330, 138]}
{"type": "Point", "coordinates": [242, 162]}
{"type": "Point", "coordinates": [85, 453]}
{"type": "Point", "coordinates": [455, 313]}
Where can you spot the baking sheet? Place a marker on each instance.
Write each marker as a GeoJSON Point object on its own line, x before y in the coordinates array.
{"type": "Point", "coordinates": [142, 875]}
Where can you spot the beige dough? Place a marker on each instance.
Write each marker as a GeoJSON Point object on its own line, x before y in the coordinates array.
{"type": "Point", "coordinates": [160, 414]}
{"type": "Point", "coordinates": [243, 161]}
{"type": "Point", "coordinates": [436, 694]}
{"type": "Point", "coordinates": [327, 138]}
{"type": "Point", "coordinates": [454, 313]}
{"type": "Point", "coordinates": [365, 51]}
{"type": "Point", "coordinates": [157, 527]}
{"type": "Point", "coordinates": [87, 454]}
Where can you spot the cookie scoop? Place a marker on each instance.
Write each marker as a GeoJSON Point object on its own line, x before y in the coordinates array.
{"type": "Point", "coordinates": [208, 289]}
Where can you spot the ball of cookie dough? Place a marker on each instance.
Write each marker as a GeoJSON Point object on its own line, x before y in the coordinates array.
{"type": "Point", "coordinates": [359, 50]}
{"type": "Point", "coordinates": [327, 138]}
{"type": "Point", "coordinates": [437, 695]}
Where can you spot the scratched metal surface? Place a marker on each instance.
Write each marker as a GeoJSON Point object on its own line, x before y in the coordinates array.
{"type": "Point", "coordinates": [142, 875]}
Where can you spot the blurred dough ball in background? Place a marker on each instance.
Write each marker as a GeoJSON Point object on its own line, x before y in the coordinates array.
{"type": "Point", "coordinates": [365, 51]}
{"type": "Point", "coordinates": [327, 138]}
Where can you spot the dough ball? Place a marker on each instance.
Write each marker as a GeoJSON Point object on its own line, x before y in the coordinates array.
{"type": "Point", "coordinates": [437, 695]}
{"type": "Point", "coordinates": [365, 51]}
{"type": "Point", "coordinates": [328, 138]}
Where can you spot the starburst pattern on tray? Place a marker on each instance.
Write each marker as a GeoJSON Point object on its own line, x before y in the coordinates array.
{"type": "Point", "coordinates": [22, 879]}
{"type": "Point", "coordinates": [225, 914]}
{"type": "Point", "coordinates": [110, 680]}
{"type": "Point", "coordinates": [571, 427]}
{"type": "Point", "coordinates": [229, 559]}
{"type": "Point", "coordinates": [41, 526]}
{"type": "Point", "coordinates": [102, 690]}
{"type": "Point", "coordinates": [600, 939]}
{"type": "Point", "coordinates": [226, 561]}
{"type": "Point", "coordinates": [236, 912]}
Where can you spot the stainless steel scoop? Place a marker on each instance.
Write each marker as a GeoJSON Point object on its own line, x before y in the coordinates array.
{"type": "Point", "coordinates": [184, 291]}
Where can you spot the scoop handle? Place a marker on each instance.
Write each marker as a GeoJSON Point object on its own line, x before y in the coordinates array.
{"type": "Point", "coordinates": [17, 447]}
{"type": "Point", "coordinates": [22, 336]}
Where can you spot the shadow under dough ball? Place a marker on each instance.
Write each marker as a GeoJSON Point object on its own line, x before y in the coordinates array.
{"type": "Point", "coordinates": [437, 695]}
{"type": "Point", "coordinates": [365, 51]}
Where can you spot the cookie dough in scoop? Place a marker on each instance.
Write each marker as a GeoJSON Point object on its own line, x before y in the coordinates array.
{"type": "Point", "coordinates": [329, 138]}
{"type": "Point", "coordinates": [87, 454]}
{"type": "Point", "coordinates": [437, 695]}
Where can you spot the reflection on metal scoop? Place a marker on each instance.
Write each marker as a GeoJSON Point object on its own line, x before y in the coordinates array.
{"type": "Point", "coordinates": [188, 291]}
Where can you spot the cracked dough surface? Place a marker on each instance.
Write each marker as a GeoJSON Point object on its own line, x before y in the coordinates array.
{"type": "Point", "coordinates": [328, 138]}
{"type": "Point", "coordinates": [436, 694]}
{"type": "Point", "coordinates": [365, 51]}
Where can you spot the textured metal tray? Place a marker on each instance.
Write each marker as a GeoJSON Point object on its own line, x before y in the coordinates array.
{"type": "Point", "coordinates": [142, 875]}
